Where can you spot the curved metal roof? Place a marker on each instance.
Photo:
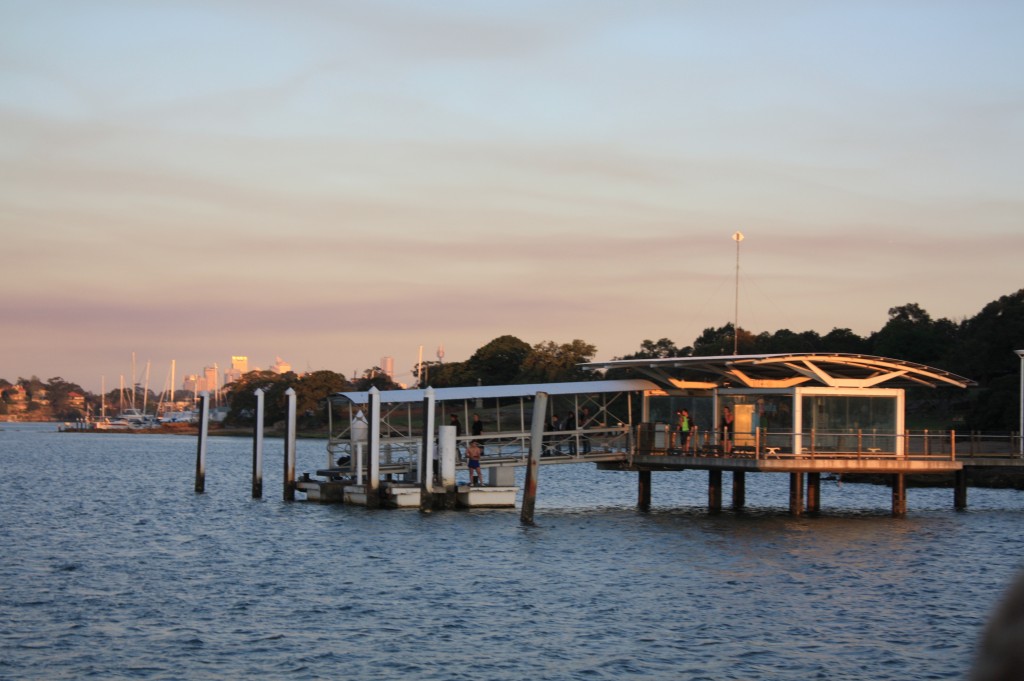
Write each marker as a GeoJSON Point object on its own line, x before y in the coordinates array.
{"type": "Point", "coordinates": [836, 370]}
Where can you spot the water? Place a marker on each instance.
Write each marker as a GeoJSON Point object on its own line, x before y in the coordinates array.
{"type": "Point", "coordinates": [115, 568]}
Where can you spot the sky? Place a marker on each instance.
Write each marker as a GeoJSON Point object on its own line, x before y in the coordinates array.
{"type": "Point", "coordinates": [333, 182]}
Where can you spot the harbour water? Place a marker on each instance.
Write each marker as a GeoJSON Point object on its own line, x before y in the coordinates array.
{"type": "Point", "coordinates": [114, 568]}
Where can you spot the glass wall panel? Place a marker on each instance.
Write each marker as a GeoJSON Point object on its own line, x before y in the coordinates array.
{"type": "Point", "coordinates": [771, 412]}
{"type": "Point", "coordinates": [848, 423]}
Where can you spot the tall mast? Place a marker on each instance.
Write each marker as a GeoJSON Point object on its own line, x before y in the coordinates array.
{"type": "Point", "coordinates": [737, 237]}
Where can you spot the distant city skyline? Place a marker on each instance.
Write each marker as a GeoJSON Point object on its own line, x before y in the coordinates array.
{"type": "Point", "coordinates": [333, 183]}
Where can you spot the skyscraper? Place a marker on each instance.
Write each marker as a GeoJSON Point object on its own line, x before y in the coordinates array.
{"type": "Point", "coordinates": [239, 367]}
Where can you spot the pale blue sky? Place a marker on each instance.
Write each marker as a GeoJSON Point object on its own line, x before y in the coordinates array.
{"type": "Point", "coordinates": [332, 182]}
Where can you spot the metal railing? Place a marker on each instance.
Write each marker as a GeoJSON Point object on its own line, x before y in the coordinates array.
{"type": "Point", "coordinates": [858, 443]}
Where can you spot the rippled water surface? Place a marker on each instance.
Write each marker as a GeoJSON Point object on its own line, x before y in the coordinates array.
{"type": "Point", "coordinates": [113, 567]}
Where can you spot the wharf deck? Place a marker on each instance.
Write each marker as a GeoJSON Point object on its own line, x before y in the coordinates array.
{"type": "Point", "coordinates": [820, 463]}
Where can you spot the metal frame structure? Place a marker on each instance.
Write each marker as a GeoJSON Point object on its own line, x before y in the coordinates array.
{"type": "Point", "coordinates": [794, 375]}
{"type": "Point", "coordinates": [508, 412]}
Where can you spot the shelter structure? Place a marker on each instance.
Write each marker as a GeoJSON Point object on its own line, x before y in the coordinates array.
{"type": "Point", "coordinates": [795, 402]}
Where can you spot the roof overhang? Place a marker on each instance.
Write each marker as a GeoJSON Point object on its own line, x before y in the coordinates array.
{"type": "Point", "coordinates": [834, 370]}
{"type": "Point", "coordinates": [502, 391]}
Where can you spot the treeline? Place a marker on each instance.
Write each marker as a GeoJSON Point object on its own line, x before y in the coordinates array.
{"type": "Point", "coordinates": [980, 348]}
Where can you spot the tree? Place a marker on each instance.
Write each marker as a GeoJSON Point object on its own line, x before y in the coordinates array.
{"type": "Point", "coordinates": [241, 396]}
{"type": "Point", "coordinates": [718, 342]}
{"type": "Point", "coordinates": [910, 334]}
{"type": "Point", "coordinates": [498, 362]}
{"type": "Point", "coordinates": [845, 341]}
{"type": "Point", "coordinates": [549, 362]}
{"type": "Point", "coordinates": [59, 392]}
{"type": "Point", "coordinates": [311, 391]}
{"type": "Point", "coordinates": [376, 378]}
{"type": "Point", "coordinates": [984, 351]}
{"type": "Point", "coordinates": [660, 349]}
{"type": "Point", "coordinates": [444, 374]}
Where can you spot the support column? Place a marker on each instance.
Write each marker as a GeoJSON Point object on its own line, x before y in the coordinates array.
{"type": "Point", "coordinates": [899, 495]}
{"type": "Point", "coordinates": [813, 492]}
{"type": "Point", "coordinates": [714, 490]}
{"type": "Point", "coordinates": [373, 474]}
{"type": "Point", "coordinates": [427, 459]}
{"type": "Point", "coordinates": [643, 491]}
{"type": "Point", "coordinates": [257, 448]}
{"type": "Point", "coordinates": [796, 494]}
{"type": "Point", "coordinates": [289, 448]}
{"type": "Point", "coordinates": [540, 407]}
{"type": "Point", "coordinates": [960, 490]}
{"type": "Point", "coordinates": [446, 441]}
{"type": "Point", "coordinates": [204, 431]}
{"type": "Point", "coordinates": [739, 489]}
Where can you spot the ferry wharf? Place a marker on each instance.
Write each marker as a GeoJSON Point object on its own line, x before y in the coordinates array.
{"type": "Point", "coordinates": [806, 415]}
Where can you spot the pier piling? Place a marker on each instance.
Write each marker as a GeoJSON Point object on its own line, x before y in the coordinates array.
{"type": "Point", "coordinates": [449, 449]}
{"type": "Point", "coordinates": [643, 491]}
{"type": "Point", "coordinates": [796, 494]}
{"type": "Point", "coordinates": [373, 477]}
{"type": "Point", "coordinates": [257, 448]}
{"type": "Point", "coordinates": [427, 471]}
{"type": "Point", "coordinates": [739, 490]}
{"type": "Point", "coordinates": [715, 490]}
{"type": "Point", "coordinates": [960, 490]}
{"type": "Point", "coordinates": [813, 492]}
{"type": "Point", "coordinates": [540, 407]}
{"type": "Point", "coordinates": [289, 449]}
{"type": "Point", "coordinates": [204, 431]}
{"type": "Point", "coordinates": [899, 495]}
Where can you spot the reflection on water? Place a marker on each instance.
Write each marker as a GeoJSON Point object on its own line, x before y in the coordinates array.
{"type": "Point", "coordinates": [115, 567]}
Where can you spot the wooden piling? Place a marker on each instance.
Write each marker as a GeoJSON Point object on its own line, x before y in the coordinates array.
{"type": "Point", "coordinates": [288, 487]}
{"type": "Point", "coordinates": [960, 490]}
{"type": "Point", "coordinates": [257, 448]}
{"type": "Point", "coordinates": [427, 453]}
{"type": "Point", "coordinates": [715, 490]}
{"type": "Point", "coordinates": [204, 431]}
{"type": "Point", "coordinates": [813, 492]}
{"type": "Point", "coordinates": [540, 406]}
{"type": "Point", "coordinates": [796, 494]}
{"type": "Point", "coordinates": [899, 495]}
{"type": "Point", "coordinates": [739, 489]}
{"type": "Point", "coordinates": [643, 491]}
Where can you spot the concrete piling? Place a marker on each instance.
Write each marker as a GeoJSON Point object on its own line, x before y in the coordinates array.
{"type": "Point", "coordinates": [373, 477]}
{"type": "Point", "coordinates": [289, 448]}
{"type": "Point", "coordinates": [448, 448]}
{"type": "Point", "coordinates": [257, 448]}
{"type": "Point", "coordinates": [204, 431]}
